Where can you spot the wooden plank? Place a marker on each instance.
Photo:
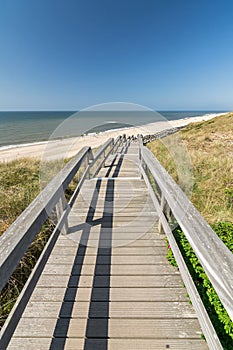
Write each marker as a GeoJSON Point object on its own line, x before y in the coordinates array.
{"type": "Point", "coordinates": [150, 344]}
{"type": "Point", "coordinates": [116, 309]}
{"type": "Point", "coordinates": [116, 259]}
{"type": "Point", "coordinates": [113, 344]}
{"type": "Point", "coordinates": [44, 343]}
{"type": "Point", "coordinates": [44, 328]}
{"type": "Point", "coordinates": [115, 281]}
{"type": "Point", "coordinates": [142, 328]}
{"type": "Point", "coordinates": [68, 241]}
{"type": "Point", "coordinates": [117, 234]}
{"type": "Point", "coordinates": [115, 270]}
{"type": "Point", "coordinates": [48, 309]}
{"type": "Point", "coordinates": [115, 251]}
{"type": "Point", "coordinates": [139, 281]}
{"type": "Point", "coordinates": [141, 309]}
{"type": "Point", "coordinates": [125, 229]}
{"type": "Point", "coordinates": [112, 294]}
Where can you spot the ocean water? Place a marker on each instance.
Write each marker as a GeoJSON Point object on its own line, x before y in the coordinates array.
{"type": "Point", "coordinates": [38, 126]}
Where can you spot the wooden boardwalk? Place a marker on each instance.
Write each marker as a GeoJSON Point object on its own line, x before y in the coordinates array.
{"type": "Point", "coordinates": [107, 283]}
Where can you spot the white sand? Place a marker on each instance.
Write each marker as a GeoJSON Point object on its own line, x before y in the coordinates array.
{"type": "Point", "coordinates": [68, 147]}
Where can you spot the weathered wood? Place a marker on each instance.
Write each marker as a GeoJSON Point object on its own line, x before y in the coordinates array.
{"type": "Point", "coordinates": [204, 320]}
{"type": "Point", "coordinates": [89, 297]}
{"type": "Point", "coordinates": [113, 344]}
{"type": "Point", "coordinates": [116, 294]}
{"type": "Point", "coordinates": [170, 280]}
{"type": "Point", "coordinates": [215, 257]}
{"type": "Point", "coordinates": [146, 328]}
{"type": "Point", "coordinates": [60, 208]}
{"type": "Point", "coordinates": [15, 241]}
{"type": "Point", "coordinates": [110, 143]}
{"type": "Point", "coordinates": [17, 311]}
{"type": "Point", "coordinates": [116, 260]}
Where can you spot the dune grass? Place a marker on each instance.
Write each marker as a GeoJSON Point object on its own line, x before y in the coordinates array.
{"type": "Point", "coordinates": [20, 182]}
{"type": "Point", "coordinates": [19, 185]}
{"type": "Point", "coordinates": [210, 147]}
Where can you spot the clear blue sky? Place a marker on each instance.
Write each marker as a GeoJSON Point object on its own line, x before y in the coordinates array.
{"type": "Point", "coordinates": [71, 54]}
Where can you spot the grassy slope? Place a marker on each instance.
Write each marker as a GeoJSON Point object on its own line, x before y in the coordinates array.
{"type": "Point", "coordinates": [19, 185]}
{"type": "Point", "coordinates": [210, 146]}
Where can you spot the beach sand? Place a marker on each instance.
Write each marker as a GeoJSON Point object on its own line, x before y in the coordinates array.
{"type": "Point", "coordinates": [57, 149]}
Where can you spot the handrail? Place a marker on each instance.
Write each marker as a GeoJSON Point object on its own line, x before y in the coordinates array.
{"type": "Point", "coordinates": [214, 256]}
{"type": "Point", "coordinates": [110, 143]}
{"type": "Point", "coordinates": [205, 322]}
{"type": "Point", "coordinates": [13, 245]}
{"type": "Point", "coordinates": [16, 239]}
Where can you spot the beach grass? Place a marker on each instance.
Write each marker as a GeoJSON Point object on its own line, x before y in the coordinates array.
{"type": "Point", "coordinates": [20, 183]}
{"type": "Point", "coordinates": [210, 147]}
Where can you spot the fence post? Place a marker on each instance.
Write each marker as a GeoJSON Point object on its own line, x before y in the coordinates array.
{"type": "Point", "coordinates": [60, 208]}
{"type": "Point", "coordinates": [162, 206]}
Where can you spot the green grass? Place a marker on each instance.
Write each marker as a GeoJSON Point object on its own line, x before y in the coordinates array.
{"type": "Point", "coordinates": [19, 185]}
{"type": "Point", "coordinates": [20, 182]}
{"type": "Point", "coordinates": [210, 147]}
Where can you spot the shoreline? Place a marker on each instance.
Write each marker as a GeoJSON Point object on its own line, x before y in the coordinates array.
{"type": "Point", "coordinates": [68, 147]}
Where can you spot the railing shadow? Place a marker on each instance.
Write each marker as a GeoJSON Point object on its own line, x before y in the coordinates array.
{"type": "Point", "coordinates": [97, 323]}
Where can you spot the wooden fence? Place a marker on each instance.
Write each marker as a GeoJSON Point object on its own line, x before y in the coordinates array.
{"type": "Point", "coordinates": [169, 200]}
{"type": "Point", "coordinates": [18, 237]}
{"type": "Point", "coordinates": [214, 256]}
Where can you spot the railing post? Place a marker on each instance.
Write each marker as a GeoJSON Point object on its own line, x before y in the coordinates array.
{"type": "Point", "coordinates": [162, 206]}
{"type": "Point", "coordinates": [140, 153]}
{"type": "Point", "coordinates": [88, 162]}
{"type": "Point", "coordinates": [60, 208]}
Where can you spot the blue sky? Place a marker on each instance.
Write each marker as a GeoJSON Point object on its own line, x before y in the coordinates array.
{"type": "Point", "coordinates": [71, 54]}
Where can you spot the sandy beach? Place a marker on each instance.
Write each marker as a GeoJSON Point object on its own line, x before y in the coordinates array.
{"type": "Point", "coordinates": [51, 150]}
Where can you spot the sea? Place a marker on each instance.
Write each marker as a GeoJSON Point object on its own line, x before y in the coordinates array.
{"type": "Point", "coordinates": [18, 127]}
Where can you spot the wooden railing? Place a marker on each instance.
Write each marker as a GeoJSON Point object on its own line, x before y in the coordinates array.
{"type": "Point", "coordinates": [214, 256]}
{"type": "Point", "coordinates": [18, 237]}
{"type": "Point", "coordinates": [169, 201]}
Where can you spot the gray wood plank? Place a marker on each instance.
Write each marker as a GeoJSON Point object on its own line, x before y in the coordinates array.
{"type": "Point", "coordinates": [115, 259]}
{"type": "Point", "coordinates": [114, 294]}
{"type": "Point", "coordinates": [113, 344]}
{"type": "Point", "coordinates": [116, 281]}
{"type": "Point", "coordinates": [44, 343]}
{"type": "Point", "coordinates": [144, 328]}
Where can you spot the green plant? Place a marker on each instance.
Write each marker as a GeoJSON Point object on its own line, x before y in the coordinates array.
{"type": "Point", "coordinates": [19, 185]}
{"type": "Point", "coordinates": [217, 313]}
{"type": "Point", "coordinates": [170, 257]}
{"type": "Point", "coordinates": [210, 147]}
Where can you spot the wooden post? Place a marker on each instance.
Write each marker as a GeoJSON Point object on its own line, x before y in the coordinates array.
{"type": "Point", "coordinates": [88, 161]}
{"type": "Point", "coordinates": [162, 206]}
{"type": "Point", "coordinates": [60, 208]}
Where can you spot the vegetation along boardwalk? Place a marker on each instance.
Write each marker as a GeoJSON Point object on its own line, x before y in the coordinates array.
{"type": "Point", "coordinates": [104, 282]}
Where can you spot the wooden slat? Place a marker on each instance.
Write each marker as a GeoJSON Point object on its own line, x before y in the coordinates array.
{"type": "Point", "coordinates": [116, 281]}
{"type": "Point", "coordinates": [144, 328]}
{"type": "Point", "coordinates": [115, 294]}
{"type": "Point", "coordinates": [113, 344]}
{"type": "Point", "coordinates": [117, 309]}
